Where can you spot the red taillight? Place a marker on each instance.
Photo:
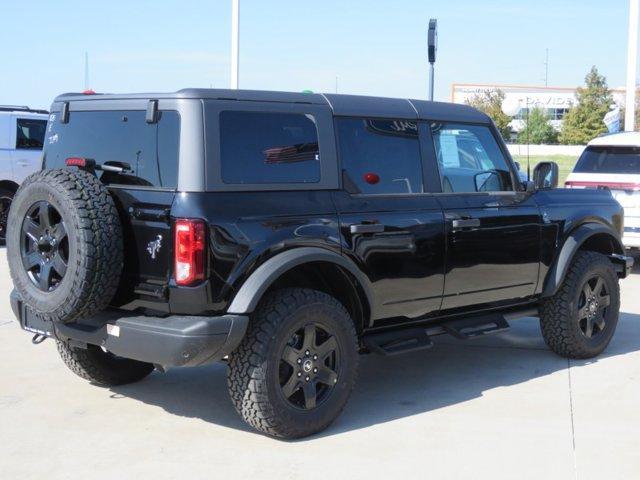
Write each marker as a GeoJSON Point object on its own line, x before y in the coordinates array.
{"type": "Point", "coordinates": [188, 251]}
{"type": "Point", "coordinates": [88, 92]}
{"type": "Point", "coordinates": [76, 162]}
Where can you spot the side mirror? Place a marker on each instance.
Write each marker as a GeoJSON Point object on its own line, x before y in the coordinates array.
{"type": "Point", "coordinates": [488, 181]}
{"type": "Point", "coordinates": [545, 175]}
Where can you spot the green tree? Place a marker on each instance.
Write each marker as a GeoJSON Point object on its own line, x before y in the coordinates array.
{"type": "Point", "coordinates": [537, 129]}
{"type": "Point", "coordinates": [583, 121]}
{"type": "Point", "coordinates": [490, 102]}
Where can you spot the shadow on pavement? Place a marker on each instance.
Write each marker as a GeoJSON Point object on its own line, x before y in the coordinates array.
{"type": "Point", "coordinates": [390, 388]}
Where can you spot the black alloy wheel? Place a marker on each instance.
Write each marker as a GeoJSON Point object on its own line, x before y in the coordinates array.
{"type": "Point", "coordinates": [309, 367]}
{"type": "Point", "coordinates": [592, 306]}
{"type": "Point", "coordinates": [44, 246]}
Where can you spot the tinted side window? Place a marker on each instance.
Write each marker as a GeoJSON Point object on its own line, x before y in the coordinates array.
{"type": "Point", "coordinates": [264, 147]}
{"type": "Point", "coordinates": [379, 156]}
{"type": "Point", "coordinates": [470, 159]}
{"type": "Point", "coordinates": [121, 138]}
{"type": "Point", "coordinates": [30, 133]}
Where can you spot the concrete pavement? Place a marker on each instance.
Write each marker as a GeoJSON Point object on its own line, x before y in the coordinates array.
{"type": "Point", "coordinates": [497, 407]}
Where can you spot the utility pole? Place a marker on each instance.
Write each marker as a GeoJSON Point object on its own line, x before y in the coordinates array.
{"type": "Point", "coordinates": [235, 43]}
{"type": "Point", "coordinates": [86, 71]}
{"type": "Point", "coordinates": [632, 60]}
{"type": "Point", "coordinates": [546, 68]}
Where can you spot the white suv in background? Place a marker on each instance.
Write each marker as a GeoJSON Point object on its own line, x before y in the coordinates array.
{"type": "Point", "coordinates": [22, 132]}
{"type": "Point", "coordinates": [613, 162]}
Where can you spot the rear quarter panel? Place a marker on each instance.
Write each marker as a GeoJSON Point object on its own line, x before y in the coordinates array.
{"type": "Point", "coordinates": [247, 228]}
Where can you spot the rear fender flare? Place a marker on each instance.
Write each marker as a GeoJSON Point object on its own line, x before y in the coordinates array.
{"type": "Point", "coordinates": [246, 299]}
{"type": "Point", "coordinates": [572, 244]}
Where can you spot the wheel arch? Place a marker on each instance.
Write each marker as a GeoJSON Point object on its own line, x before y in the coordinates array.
{"type": "Point", "coordinates": [309, 267]}
{"type": "Point", "coordinates": [589, 236]}
{"type": "Point", "coordinates": [9, 185]}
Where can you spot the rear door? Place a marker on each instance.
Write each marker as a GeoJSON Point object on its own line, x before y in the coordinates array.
{"type": "Point", "coordinates": [28, 139]}
{"type": "Point", "coordinates": [493, 230]}
{"type": "Point", "coordinates": [389, 226]}
{"type": "Point", "coordinates": [143, 193]}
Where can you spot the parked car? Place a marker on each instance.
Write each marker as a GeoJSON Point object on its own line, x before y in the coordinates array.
{"type": "Point", "coordinates": [612, 162]}
{"type": "Point", "coordinates": [22, 131]}
{"type": "Point", "coordinates": [286, 233]}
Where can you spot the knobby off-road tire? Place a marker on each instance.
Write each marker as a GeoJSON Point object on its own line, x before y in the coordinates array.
{"type": "Point", "coordinates": [272, 378]}
{"type": "Point", "coordinates": [102, 368]}
{"type": "Point", "coordinates": [84, 235]}
{"type": "Point", "coordinates": [562, 317]}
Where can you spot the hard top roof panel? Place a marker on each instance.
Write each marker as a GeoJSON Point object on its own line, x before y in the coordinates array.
{"type": "Point", "coordinates": [342, 105]}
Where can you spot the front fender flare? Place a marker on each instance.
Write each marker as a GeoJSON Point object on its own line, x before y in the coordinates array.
{"type": "Point", "coordinates": [572, 244]}
{"type": "Point", "coordinates": [247, 298]}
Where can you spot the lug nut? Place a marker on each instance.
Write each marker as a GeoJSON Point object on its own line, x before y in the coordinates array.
{"type": "Point", "coordinates": [299, 360]}
{"type": "Point", "coordinates": [299, 374]}
{"type": "Point", "coordinates": [315, 370]}
{"type": "Point", "coordinates": [307, 378]}
{"type": "Point", "coordinates": [315, 357]}
{"type": "Point", "coordinates": [307, 353]}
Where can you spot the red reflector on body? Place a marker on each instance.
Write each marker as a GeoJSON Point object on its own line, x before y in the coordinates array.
{"type": "Point", "coordinates": [189, 245]}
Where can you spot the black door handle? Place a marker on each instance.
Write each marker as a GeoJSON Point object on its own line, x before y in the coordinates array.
{"type": "Point", "coordinates": [367, 228]}
{"type": "Point", "coordinates": [465, 223]}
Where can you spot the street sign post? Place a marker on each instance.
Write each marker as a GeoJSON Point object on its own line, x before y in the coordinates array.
{"type": "Point", "coordinates": [432, 41]}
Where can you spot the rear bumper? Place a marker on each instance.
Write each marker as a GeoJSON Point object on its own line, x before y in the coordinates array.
{"type": "Point", "coordinates": [173, 341]}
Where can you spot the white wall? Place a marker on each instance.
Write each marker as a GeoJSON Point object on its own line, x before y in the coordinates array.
{"type": "Point", "coordinates": [574, 150]}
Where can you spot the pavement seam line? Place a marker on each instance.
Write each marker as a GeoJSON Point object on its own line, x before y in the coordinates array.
{"type": "Point", "coordinates": [573, 430]}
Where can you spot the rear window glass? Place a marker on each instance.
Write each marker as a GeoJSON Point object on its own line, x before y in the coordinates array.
{"type": "Point", "coordinates": [263, 147]}
{"type": "Point", "coordinates": [609, 160]}
{"type": "Point", "coordinates": [148, 152]}
{"type": "Point", "coordinates": [30, 133]}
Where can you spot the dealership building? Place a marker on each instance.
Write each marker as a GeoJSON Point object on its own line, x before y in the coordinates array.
{"type": "Point", "coordinates": [555, 101]}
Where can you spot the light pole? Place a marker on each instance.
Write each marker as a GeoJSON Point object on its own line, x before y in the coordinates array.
{"type": "Point", "coordinates": [432, 41]}
{"type": "Point", "coordinates": [632, 58]}
{"type": "Point", "coordinates": [235, 43]}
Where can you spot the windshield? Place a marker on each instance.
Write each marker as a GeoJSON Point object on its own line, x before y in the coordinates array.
{"type": "Point", "coordinates": [609, 160]}
{"type": "Point", "coordinates": [30, 133]}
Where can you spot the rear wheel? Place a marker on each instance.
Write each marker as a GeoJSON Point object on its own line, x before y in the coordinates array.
{"type": "Point", "coordinates": [6, 197]}
{"type": "Point", "coordinates": [580, 319]}
{"type": "Point", "coordinates": [294, 371]}
{"type": "Point", "coordinates": [101, 367]}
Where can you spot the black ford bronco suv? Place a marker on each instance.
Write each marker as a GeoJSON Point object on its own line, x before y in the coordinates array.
{"type": "Point", "coordinates": [286, 233]}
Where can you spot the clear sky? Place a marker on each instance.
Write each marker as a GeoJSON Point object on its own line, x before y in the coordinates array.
{"type": "Point", "coordinates": [372, 47]}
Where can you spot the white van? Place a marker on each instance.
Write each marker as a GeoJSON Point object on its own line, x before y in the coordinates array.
{"type": "Point", "coordinates": [613, 162]}
{"type": "Point", "coordinates": [22, 132]}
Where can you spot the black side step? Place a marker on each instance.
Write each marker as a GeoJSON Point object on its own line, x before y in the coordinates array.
{"type": "Point", "coordinates": [395, 342]}
{"type": "Point", "coordinates": [476, 326]}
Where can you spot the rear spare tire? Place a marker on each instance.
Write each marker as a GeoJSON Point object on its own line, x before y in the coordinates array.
{"type": "Point", "coordinates": [64, 244]}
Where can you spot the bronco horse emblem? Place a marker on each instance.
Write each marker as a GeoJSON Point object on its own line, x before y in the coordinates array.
{"type": "Point", "coordinates": [154, 246]}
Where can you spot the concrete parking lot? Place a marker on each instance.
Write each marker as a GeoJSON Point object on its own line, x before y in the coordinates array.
{"type": "Point", "coordinates": [498, 407]}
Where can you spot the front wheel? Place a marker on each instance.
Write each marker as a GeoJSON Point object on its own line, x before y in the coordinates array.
{"type": "Point", "coordinates": [580, 319]}
{"type": "Point", "coordinates": [294, 371]}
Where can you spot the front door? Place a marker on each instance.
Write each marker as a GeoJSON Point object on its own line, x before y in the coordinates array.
{"type": "Point", "coordinates": [492, 230]}
{"type": "Point", "coordinates": [389, 226]}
